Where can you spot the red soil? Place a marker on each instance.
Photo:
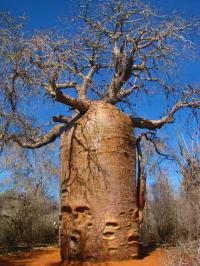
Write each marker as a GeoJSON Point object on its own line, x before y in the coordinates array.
{"type": "Point", "coordinates": [51, 257]}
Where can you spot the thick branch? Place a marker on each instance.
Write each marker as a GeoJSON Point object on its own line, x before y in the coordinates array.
{"type": "Point", "coordinates": [42, 141]}
{"type": "Point", "coordinates": [78, 104]}
{"type": "Point", "coordinates": [61, 119]}
{"type": "Point", "coordinates": [156, 124]}
{"type": "Point", "coordinates": [123, 93]}
{"type": "Point", "coordinates": [82, 91]}
{"type": "Point", "coordinates": [120, 79]}
{"type": "Point", "coordinates": [55, 132]}
{"type": "Point", "coordinates": [54, 90]}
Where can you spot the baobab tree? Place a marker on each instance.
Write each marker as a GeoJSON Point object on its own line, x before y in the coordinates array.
{"type": "Point", "coordinates": [113, 58]}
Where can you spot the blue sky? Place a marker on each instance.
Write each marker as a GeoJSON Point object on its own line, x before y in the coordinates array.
{"type": "Point", "coordinates": [44, 14]}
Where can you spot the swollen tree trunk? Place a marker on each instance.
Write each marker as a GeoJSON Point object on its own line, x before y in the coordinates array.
{"type": "Point", "coordinates": [99, 212]}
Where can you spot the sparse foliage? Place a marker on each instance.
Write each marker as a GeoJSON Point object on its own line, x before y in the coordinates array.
{"type": "Point", "coordinates": [126, 49]}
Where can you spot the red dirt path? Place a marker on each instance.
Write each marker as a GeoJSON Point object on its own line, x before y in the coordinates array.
{"type": "Point", "coordinates": [51, 257]}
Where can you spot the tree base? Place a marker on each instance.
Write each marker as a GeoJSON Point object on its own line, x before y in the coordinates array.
{"type": "Point", "coordinates": [114, 254]}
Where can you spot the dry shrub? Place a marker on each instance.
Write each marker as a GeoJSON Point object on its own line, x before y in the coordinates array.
{"type": "Point", "coordinates": [28, 206]}
{"type": "Point", "coordinates": [185, 254]}
{"type": "Point", "coordinates": [174, 216]}
{"type": "Point", "coordinates": [159, 213]}
{"type": "Point", "coordinates": [27, 219]}
{"type": "Point", "coordinates": [169, 216]}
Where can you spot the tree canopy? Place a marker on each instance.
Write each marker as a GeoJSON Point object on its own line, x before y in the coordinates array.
{"type": "Point", "coordinates": [126, 51]}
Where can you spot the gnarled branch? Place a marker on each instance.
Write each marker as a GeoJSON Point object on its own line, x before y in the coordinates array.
{"type": "Point", "coordinates": [61, 118]}
{"type": "Point", "coordinates": [82, 91]}
{"type": "Point", "coordinates": [81, 105]}
{"type": "Point", "coordinates": [49, 137]}
{"type": "Point", "coordinates": [156, 124]}
{"type": "Point", "coordinates": [42, 141]}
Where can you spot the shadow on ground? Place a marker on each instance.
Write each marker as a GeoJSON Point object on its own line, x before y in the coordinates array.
{"type": "Point", "coordinates": [145, 249]}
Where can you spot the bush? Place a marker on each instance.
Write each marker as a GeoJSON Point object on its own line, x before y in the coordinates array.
{"type": "Point", "coordinates": [169, 216]}
{"type": "Point", "coordinates": [185, 254]}
{"type": "Point", "coordinates": [27, 219]}
{"type": "Point", "coordinates": [159, 214]}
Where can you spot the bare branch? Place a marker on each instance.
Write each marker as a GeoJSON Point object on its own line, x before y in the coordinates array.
{"type": "Point", "coordinates": [49, 137]}
{"type": "Point", "coordinates": [82, 91]}
{"type": "Point", "coordinates": [156, 124]}
{"type": "Point", "coordinates": [42, 141]}
{"type": "Point", "coordinates": [78, 104]}
{"type": "Point", "coordinates": [53, 90]}
{"type": "Point", "coordinates": [70, 84]}
{"type": "Point", "coordinates": [97, 26]}
{"type": "Point", "coordinates": [61, 119]}
{"type": "Point", "coordinates": [151, 137]}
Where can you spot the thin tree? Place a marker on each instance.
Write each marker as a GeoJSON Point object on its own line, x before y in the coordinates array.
{"type": "Point", "coordinates": [116, 58]}
{"type": "Point", "coordinates": [188, 162]}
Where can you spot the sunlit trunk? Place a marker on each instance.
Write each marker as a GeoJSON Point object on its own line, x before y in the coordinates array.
{"type": "Point", "coordinates": [99, 220]}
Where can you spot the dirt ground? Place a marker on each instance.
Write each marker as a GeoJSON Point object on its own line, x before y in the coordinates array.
{"type": "Point", "coordinates": [51, 257]}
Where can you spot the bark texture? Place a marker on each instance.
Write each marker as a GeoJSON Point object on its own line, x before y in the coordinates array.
{"type": "Point", "coordinates": [99, 213]}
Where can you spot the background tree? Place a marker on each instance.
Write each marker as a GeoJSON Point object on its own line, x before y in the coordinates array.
{"type": "Point", "coordinates": [188, 162]}
{"type": "Point", "coordinates": [171, 213]}
{"type": "Point", "coordinates": [119, 56]}
{"type": "Point", "coordinates": [28, 206]}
